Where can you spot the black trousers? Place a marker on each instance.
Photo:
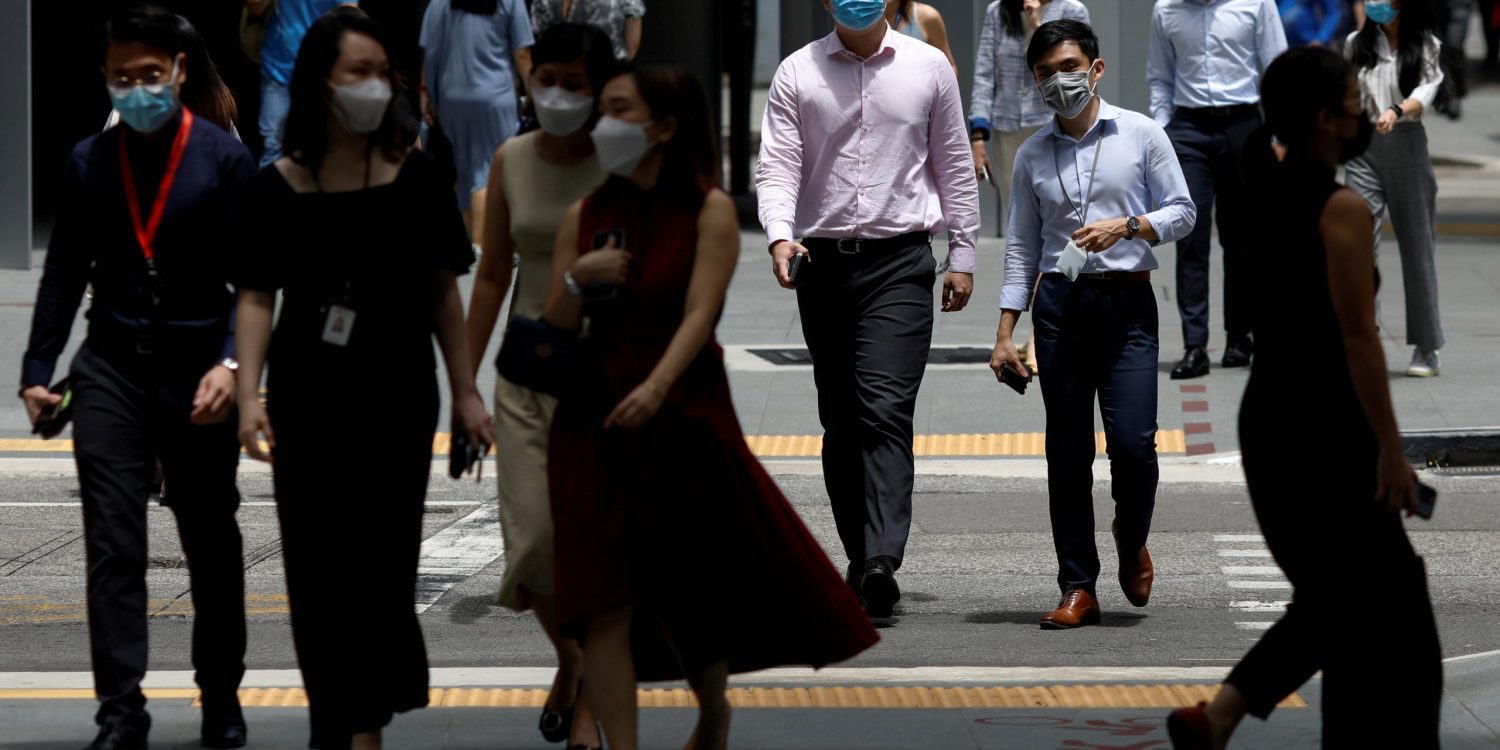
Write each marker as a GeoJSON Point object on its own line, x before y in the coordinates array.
{"type": "Point", "coordinates": [1341, 553]}
{"type": "Point", "coordinates": [1209, 150]}
{"type": "Point", "coordinates": [867, 319]}
{"type": "Point", "coordinates": [1097, 338]}
{"type": "Point", "coordinates": [128, 411]}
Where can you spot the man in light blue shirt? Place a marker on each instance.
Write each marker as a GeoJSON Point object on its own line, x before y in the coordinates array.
{"type": "Point", "coordinates": [1204, 67]}
{"type": "Point", "coordinates": [290, 21]}
{"type": "Point", "coordinates": [1094, 191]}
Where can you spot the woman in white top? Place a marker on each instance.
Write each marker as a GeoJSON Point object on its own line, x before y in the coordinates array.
{"type": "Point", "coordinates": [1396, 56]}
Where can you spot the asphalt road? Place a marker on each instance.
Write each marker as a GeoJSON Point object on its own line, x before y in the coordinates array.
{"type": "Point", "coordinates": [979, 573]}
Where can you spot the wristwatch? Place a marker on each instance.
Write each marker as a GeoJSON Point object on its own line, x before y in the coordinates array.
{"type": "Point", "coordinates": [571, 284]}
{"type": "Point", "coordinates": [1132, 226]}
{"type": "Point", "coordinates": [979, 134]}
{"type": "Point", "coordinates": [230, 363]}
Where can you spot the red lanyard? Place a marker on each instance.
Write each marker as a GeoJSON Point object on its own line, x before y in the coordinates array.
{"type": "Point", "coordinates": [145, 234]}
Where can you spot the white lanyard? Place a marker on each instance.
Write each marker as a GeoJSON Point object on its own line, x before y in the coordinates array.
{"type": "Point", "coordinates": [1088, 200]}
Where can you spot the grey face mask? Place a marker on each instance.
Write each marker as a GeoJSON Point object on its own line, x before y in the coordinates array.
{"type": "Point", "coordinates": [1068, 94]}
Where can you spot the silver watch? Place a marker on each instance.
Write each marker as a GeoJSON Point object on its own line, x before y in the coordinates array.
{"type": "Point", "coordinates": [230, 363]}
{"type": "Point", "coordinates": [572, 284]}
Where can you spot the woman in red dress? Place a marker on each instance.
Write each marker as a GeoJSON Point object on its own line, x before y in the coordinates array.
{"type": "Point", "coordinates": [674, 547]}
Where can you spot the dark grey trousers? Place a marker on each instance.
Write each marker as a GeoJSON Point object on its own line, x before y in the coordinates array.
{"type": "Point", "coordinates": [867, 319]}
{"type": "Point", "coordinates": [1396, 175]}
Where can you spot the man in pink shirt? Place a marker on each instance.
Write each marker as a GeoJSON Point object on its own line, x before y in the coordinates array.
{"type": "Point", "coordinates": [864, 154]}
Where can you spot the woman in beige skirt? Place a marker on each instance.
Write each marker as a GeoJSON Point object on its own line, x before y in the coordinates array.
{"type": "Point", "coordinates": [539, 175]}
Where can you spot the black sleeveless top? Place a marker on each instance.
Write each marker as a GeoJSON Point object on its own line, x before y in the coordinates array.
{"type": "Point", "coordinates": [1300, 374]}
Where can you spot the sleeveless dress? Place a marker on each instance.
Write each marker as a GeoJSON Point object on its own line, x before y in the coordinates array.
{"type": "Point", "coordinates": [677, 518]}
{"type": "Point", "coordinates": [537, 195]}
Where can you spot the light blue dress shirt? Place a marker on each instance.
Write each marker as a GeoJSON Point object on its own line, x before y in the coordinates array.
{"type": "Point", "coordinates": [1138, 175]}
{"type": "Point", "coordinates": [1210, 53]}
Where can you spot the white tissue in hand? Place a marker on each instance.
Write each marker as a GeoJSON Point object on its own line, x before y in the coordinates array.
{"type": "Point", "coordinates": [1071, 261]}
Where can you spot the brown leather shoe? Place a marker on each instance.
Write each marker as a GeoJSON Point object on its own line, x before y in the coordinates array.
{"type": "Point", "coordinates": [1136, 572]}
{"type": "Point", "coordinates": [1077, 608]}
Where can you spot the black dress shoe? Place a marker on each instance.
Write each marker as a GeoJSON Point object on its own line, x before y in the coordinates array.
{"type": "Point", "coordinates": [122, 733]}
{"type": "Point", "coordinates": [1238, 353]}
{"type": "Point", "coordinates": [224, 732]}
{"type": "Point", "coordinates": [1194, 364]}
{"type": "Point", "coordinates": [856, 572]}
{"type": "Point", "coordinates": [879, 588]}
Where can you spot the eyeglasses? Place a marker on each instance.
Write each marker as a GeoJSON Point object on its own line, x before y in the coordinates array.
{"type": "Point", "coordinates": [153, 78]}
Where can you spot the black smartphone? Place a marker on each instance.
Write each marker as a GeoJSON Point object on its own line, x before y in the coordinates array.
{"type": "Point", "coordinates": [1015, 380]}
{"type": "Point", "coordinates": [602, 239]}
{"type": "Point", "coordinates": [463, 455]}
{"type": "Point", "coordinates": [1426, 501]}
{"type": "Point", "coordinates": [794, 266]}
{"type": "Point", "coordinates": [601, 292]}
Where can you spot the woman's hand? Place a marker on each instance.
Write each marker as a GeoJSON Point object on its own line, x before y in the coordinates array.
{"type": "Point", "coordinates": [470, 416]}
{"type": "Point", "coordinates": [1395, 482]}
{"type": "Point", "coordinates": [214, 397]}
{"type": "Point", "coordinates": [255, 422]}
{"type": "Point", "coordinates": [638, 408]}
{"type": "Point", "coordinates": [981, 159]}
{"type": "Point", "coordinates": [606, 265]}
{"type": "Point", "coordinates": [1387, 121]}
{"type": "Point", "coordinates": [1033, 11]}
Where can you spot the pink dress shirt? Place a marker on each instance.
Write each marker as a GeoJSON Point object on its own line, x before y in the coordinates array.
{"type": "Point", "coordinates": [868, 148]}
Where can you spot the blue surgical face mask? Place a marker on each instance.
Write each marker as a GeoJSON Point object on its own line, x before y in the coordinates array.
{"type": "Point", "coordinates": [1380, 11]}
{"type": "Point", "coordinates": [858, 15]}
{"type": "Point", "coordinates": [145, 108]}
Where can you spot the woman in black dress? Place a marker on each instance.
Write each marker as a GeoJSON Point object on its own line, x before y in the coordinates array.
{"type": "Point", "coordinates": [1334, 529]}
{"type": "Point", "coordinates": [363, 240]}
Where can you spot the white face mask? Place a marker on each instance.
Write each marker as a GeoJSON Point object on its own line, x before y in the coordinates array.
{"type": "Point", "coordinates": [562, 112]}
{"type": "Point", "coordinates": [621, 145]}
{"type": "Point", "coordinates": [361, 107]}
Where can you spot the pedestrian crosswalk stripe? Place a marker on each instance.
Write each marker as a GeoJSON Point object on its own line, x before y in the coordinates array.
{"type": "Point", "coordinates": [1254, 625]}
{"type": "Point", "coordinates": [1244, 553]}
{"type": "Point", "coordinates": [1062, 695]}
{"type": "Point", "coordinates": [1251, 570]}
{"type": "Point", "coordinates": [791, 446]}
{"type": "Point", "coordinates": [1259, 585]}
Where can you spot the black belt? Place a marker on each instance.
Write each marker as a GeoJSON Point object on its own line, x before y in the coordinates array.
{"type": "Point", "coordinates": [855, 245]}
{"type": "Point", "coordinates": [1114, 276]}
{"type": "Point", "coordinates": [1233, 112]}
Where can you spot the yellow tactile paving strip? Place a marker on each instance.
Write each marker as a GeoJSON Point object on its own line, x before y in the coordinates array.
{"type": "Point", "coordinates": [32, 609]}
{"type": "Point", "coordinates": [790, 446]}
{"type": "Point", "coordinates": [991, 697]}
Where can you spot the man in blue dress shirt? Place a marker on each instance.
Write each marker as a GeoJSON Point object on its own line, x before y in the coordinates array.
{"type": "Point", "coordinates": [1094, 191]}
{"type": "Point", "coordinates": [1204, 68]}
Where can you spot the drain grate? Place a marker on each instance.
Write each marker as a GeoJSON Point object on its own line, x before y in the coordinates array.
{"type": "Point", "coordinates": [940, 355]}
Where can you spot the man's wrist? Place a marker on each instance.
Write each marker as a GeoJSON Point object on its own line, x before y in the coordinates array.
{"type": "Point", "coordinates": [772, 248]}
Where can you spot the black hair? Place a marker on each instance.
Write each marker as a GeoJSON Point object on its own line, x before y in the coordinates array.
{"type": "Point", "coordinates": [1010, 15]}
{"type": "Point", "coordinates": [1053, 33]}
{"type": "Point", "coordinates": [566, 42]}
{"type": "Point", "coordinates": [903, 12]}
{"type": "Point", "coordinates": [306, 138]}
{"type": "Point", "coordinates": [690, 162]}
{"type": "Point", "coordinates": [150, 25]}
{"type": "Point", "coordinates": [205, 91]}
{"type": "Point", "coordinates": [477, 7]}
{"type": "Point", "coordinates": [1417, 22]}
{"type": "Point", "coordinates": [1296, 86]}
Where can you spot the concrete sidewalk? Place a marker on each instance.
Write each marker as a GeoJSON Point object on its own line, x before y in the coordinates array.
{"type": "Point", "coordinates": [880, 715]}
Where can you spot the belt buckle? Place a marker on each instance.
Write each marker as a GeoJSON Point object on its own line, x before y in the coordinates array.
{"type": "Point", "coordinates": [1098, 275]}
{"type": "Point", "coordinates": [855, 240]}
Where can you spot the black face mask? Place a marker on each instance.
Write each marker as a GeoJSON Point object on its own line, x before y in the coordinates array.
{"type": "Point", "coordinates": [1356, 147]}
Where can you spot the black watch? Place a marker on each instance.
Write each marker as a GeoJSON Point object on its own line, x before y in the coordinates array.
{"type": "Point", "coordinates": [1132, 226]}
{"type": "Point", "coordinates": [979, 134]}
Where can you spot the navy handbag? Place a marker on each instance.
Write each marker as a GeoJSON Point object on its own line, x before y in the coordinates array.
{"type": "Point", "coordinates": [538, 356]}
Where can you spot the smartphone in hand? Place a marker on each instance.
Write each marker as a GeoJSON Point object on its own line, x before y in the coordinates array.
{"type": "Point", "coordinates": [1426, 501]}
{"type": "Point", "coordinates": [794, 266]}
{"type": "Point", "coordinates": [1015, 380]}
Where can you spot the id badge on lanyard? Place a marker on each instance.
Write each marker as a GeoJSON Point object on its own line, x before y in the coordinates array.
{"type": "Point", "coordinates": [338, 326]}
{"type": "Point", "coordinates": [145, 231]}
{"type": "Point", "coordinates": [1072, 260]}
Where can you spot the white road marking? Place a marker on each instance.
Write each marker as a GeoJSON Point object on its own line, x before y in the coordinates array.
{"type": "Point", "coordinates": [1244, 553]}
{"type": "Point", "coordinates": [246, 504]}
{"type": "Point", "coordinates": [1254, 625]}
{"type": "Point", "coordinates": [1256, 606]}
{"type": "Point", "coordinates": [1251, 570]}
{"type": "Point", "coordinates": [1238, 538]}
{"type": "Point", "coordinates": [1260, 585]}
{"type": "Point", "coordinates": [452, 555]}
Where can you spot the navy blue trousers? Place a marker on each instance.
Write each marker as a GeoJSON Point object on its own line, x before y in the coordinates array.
{"type": "Point", "coordinates": [1209, 151]}
{"type": "Point", "coordinates": [1097, 338]}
